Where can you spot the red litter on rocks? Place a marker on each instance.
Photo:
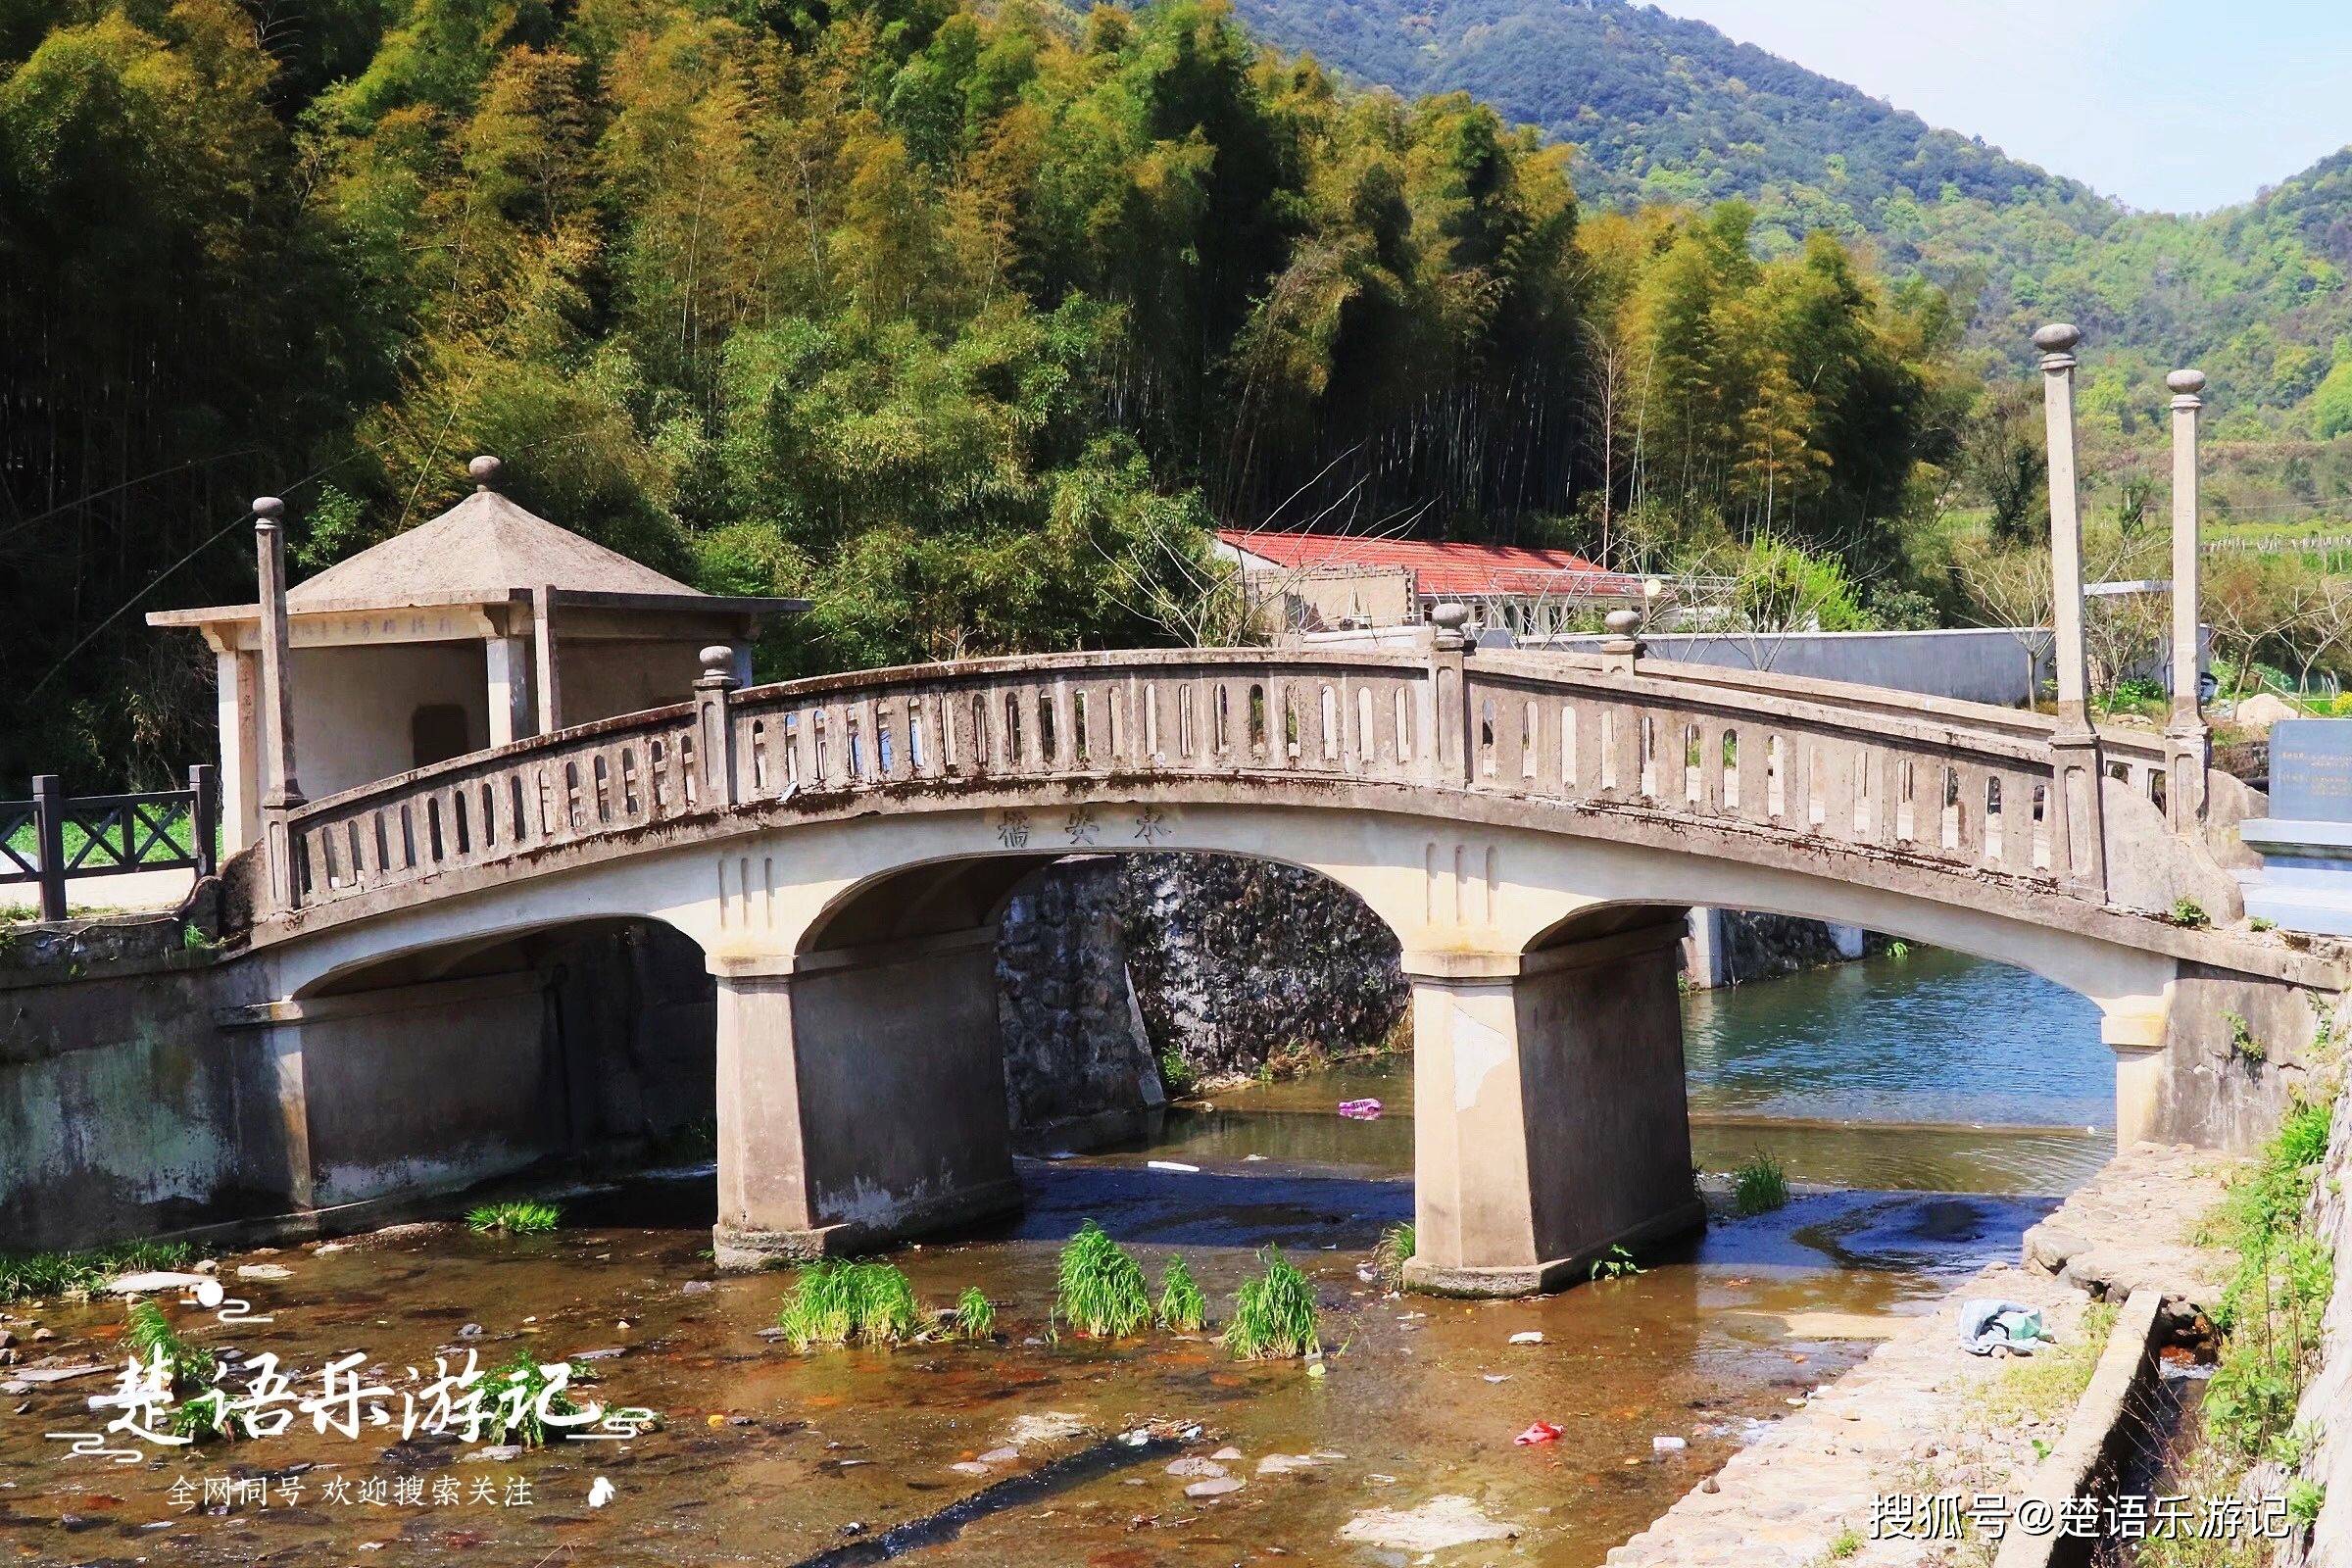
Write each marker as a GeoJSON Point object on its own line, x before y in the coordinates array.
{"type": "Point", "coordinates": [1540, 1432]}
{"type": "Point", "coordinates": [1360, 1110]}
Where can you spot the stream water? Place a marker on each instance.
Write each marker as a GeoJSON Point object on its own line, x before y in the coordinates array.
{"type": "Point", "coordinates": [1872, 1077]}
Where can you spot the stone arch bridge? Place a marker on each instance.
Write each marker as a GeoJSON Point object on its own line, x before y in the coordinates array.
{"type": "Point", "coordinates": [1531, 827]}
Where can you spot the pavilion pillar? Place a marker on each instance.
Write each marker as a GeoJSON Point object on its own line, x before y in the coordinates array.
{"type": "Point", "coordinates": [2079, 839]}
{"type": "Point", "coordinates": [281, 793]}
{"type": "Point", "coordinates": [543, 643]}
{"type": "Point", "coordinates": [1550, 1120]}
{"type": "Point", "coordinates": [508, 662]}
{"type": "Point", "coordinates": [2186, 738]}
{"type": "Point", "coordinates": [239, 722]}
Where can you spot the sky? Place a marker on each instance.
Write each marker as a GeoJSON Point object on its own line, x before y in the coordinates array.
{"type": "Point", "coordinates": [2170, 104]}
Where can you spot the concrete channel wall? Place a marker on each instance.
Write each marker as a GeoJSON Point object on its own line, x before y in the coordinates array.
{"type": "Point", "coordinates": [2099, 1435]}
{"type": "Point", "coordinates": [145, 1089]}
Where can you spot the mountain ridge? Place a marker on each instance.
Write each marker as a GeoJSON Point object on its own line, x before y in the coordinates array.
{"type": "Point", "coordinates": [1663, 107]}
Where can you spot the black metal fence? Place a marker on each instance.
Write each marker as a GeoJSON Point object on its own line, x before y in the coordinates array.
{"type": "Point", "coordinates": [51, 838]}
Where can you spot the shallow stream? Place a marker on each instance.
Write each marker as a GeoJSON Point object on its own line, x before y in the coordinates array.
{"type": "Point", "coordinates": [766, 1457]}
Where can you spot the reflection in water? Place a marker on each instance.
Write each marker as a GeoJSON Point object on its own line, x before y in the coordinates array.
{"type": "Point", "coordinates": [1932, 1072]}
{"type": "Point", "coordinates": [1931, 1036]}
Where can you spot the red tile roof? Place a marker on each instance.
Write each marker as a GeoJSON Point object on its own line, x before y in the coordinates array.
{"type": "Point", "coordinates": [1438, 569]}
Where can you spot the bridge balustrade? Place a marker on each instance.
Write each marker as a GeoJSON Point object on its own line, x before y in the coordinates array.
{"type": "Point", "coordinates": [1969, 787]}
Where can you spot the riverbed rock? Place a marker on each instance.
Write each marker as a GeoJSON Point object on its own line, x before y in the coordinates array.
{"type": "Point", "coordinates": [1046, 1427]}
{"type": "Point", "coordinates": [264, 1272]}
{"type": "Point", "coordinates": [1005, 1455]}
{"type": "Point", "coordinates": [1214, 1487]}
{"type": "Point", "coordinates": [1440, 1523]}
{"type": "Point", "coordinates": [1282, 1464]}
{"type": "Point", "coordinates": [153, 1282]}
{"type": "Point", "coordinates": [494, 1453]}
{"type": "Point", "coordinates": [1194, 1466]}
{"type": "Point", "coordinates": [969, 1467]}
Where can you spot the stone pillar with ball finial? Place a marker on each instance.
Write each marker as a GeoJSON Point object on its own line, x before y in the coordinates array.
{"type": "Point", "coordinates": [2187, 740]}
{"type": "Point", "coordinates": [281, 788]}
{"type": "Point", "coordinates": [1445, 743]}
{"type": "Point", "coordinates": [2079, 839]}
{"type": "Point", "coordinates": [714, 727]}
{"type": "Point", "coordinates": [1621, 650]}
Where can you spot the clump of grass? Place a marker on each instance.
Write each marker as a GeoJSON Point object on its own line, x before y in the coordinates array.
{"type": "Point", "coordinates": [1759, 1186]}
{"type": "Point", "coordinates": [975, 1315]}
{"type": "Point", "coordinates": [1275, 1315]}
{"type": "Point", "coordinates": [1183, 1310]}
{"type": "Point", "coordinates": [191, 1372]}
{"type": "Point", "coordinates": [517, 1395]}
{"type": "Point", "coordinates": [1396, 1249]}
{"type": "Point", "coordinates": [2242, 1044]}
{"type": "Point", "coordinates": [1176, 1075]}
{"type": "Point", "coordinates": [835, 1301]}
{"type": "Point", "coordinates": [2276, 1295]}
{"type": "Point", "coordinates": [2190, 914]}
{"type": "Point", "coordinates": [1615, 1264]}
{"type": "Point", "coordinates": [1102, 1291]}
{"type": "Point", "coordinates": [514, 1218]}
{"type": "Point", "coordinates": [25, 1276]}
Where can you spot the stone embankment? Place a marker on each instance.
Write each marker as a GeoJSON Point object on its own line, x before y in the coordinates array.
{"type": "Point", "coordinates": [1208, 964]}
{"type": "Point", "coordinates": [2134, 1225]}
{"type": "Point", "coordinates": [1922, 1417]}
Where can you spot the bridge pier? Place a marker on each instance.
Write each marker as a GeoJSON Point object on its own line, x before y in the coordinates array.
{"type": "Point", "coordinates": [1551, 1118]}
{"type": "Point", "coordinates": [861, 1098]}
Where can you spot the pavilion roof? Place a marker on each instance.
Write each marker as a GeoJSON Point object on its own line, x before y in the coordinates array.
{"type": "Point", "coordinates": [485, 550]}
{"type": "Point", "coordinates": [487, 547]}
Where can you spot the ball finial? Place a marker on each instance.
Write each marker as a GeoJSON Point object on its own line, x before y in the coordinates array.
{"type": "Point", "coordinates": [718, 661]}
{"type": "Point", "coordinates": [1449, 616]}
{"type": "Point", "coordinates": [2059, 337]}
{"type": "Point", "coordinates": [1622, 622]}
{"type": "Point", "coordinates": [267, 509]}
{"type": "Point", "coordinates": [484, 470]}
{"type": "Point", "coordinates": [2187, 383]}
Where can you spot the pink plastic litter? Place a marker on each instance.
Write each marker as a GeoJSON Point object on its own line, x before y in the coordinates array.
{"type": "Point", "coordinates": [1540, 1432]}
{"type": "Point", "coordinates": [1360, 1110]}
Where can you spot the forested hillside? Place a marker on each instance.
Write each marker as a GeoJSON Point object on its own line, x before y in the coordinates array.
{"type": "Point", "coordinates": [963, 320]}
{"type": "Point", "coordinates": [1665, 109]}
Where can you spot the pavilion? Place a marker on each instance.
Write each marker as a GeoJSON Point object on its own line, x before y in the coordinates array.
{"type": "Point", "coordinates": [483, 627]}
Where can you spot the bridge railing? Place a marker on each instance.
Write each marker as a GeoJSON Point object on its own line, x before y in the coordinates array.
{"type": "Point", "coordinates": [1976, 789]}
{"type": "Point", "coordinates": [577, 784]}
